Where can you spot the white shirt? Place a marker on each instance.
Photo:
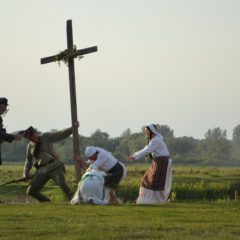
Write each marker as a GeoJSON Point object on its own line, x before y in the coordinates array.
{"type": "Point", "coordinates": [156, 147]}
{"type": "Point", "coordinates": [105, 160]}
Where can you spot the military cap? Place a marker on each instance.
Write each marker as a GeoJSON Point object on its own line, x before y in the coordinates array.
{"type": "Point", "coordinates": [4, 101]}
{"type": "Point", "coordinates": [28, 132]}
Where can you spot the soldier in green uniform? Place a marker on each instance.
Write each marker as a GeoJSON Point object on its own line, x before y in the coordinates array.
{"type": "Point", "coordinates": [40, 150]}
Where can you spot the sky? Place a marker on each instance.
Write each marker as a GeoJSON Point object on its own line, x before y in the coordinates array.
{"type": "Point", "coordinates": [173, 63]}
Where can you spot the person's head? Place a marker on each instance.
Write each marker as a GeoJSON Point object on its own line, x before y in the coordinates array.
{"type": "Point", "coordinates": [30, 134]}
{"type": "Point", "coordinates": [151, 130]}
{"type": "Point", "coordinates": [91, 153]}
{"type": "Point", "coordinates": [3, 105]}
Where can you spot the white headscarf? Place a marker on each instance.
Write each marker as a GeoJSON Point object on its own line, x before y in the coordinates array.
{"type": "Point", "coordinates": [153, 128]}
{"type": "Point", "coordinates": [90, 151]}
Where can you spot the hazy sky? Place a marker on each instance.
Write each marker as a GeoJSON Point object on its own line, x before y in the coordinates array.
{"type": "Point", "coordinates": [173, 62]}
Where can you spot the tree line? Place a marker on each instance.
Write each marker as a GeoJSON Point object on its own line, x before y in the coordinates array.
{"type": "Point", "coordinates": [214, 150]}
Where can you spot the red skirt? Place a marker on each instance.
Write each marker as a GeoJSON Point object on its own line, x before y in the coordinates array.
{"type": "Point", "coordinates": [155, 177]}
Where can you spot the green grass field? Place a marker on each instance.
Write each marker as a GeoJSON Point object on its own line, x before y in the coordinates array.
{"type": "Point", "coordinates": [168, 221]}
{"type": "Point", "coordinates": [202, 208]}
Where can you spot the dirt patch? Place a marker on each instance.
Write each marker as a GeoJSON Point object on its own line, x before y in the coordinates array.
{"type": "Point", "coordinates": [19, 199]}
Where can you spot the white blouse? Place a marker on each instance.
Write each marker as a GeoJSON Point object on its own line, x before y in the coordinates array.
{"type": "Point", "coordinates": [105, 160]}
{"type": "Point", "coordinates": [156, 147]}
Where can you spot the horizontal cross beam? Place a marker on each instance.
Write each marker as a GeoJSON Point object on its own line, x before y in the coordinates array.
{"type": "Point", "coordinates": [78, 53]}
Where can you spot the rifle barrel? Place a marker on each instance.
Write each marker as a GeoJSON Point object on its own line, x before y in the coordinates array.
{"type": "Point", "coordinates": [24, 179]}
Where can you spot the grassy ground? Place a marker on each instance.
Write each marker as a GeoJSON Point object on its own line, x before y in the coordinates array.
{"type": "Point", "coordinates": [168, 221]}
{"type": "Point", "coordinates": [195, 217]}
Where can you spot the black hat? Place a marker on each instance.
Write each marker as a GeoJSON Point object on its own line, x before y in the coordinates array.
{"type": "Point", "coordinates": [28, 132]}
{"type": "Point", "coordinates": [4, 101]}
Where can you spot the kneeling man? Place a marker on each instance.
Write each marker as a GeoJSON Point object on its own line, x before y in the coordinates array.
{"type": "Point", "coordinates": [91, 189]}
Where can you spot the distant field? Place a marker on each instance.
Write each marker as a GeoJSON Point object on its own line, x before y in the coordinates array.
{"type": "Point", "coordinates": [189, 183]}
{"type": "Point", "coordinates": [202, 207]}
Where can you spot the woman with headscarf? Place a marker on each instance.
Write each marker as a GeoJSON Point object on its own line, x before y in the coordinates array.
{"type": "Point", "coordinates": [103, 160]}
{"type": "Point", "coordinates": [157, 181]}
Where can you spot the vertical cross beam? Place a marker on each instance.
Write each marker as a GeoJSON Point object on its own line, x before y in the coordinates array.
{"type": "Point", "coordinates": [71, 54]}
{"type": "Point", "coordinates": [72, 88]}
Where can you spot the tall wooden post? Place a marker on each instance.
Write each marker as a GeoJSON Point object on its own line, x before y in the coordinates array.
{"type": "Point", "coordinates": [72, 88]}
{"type": "Point", "coordinates": [71, 54]}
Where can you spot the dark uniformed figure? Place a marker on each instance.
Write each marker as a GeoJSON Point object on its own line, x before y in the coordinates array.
{"type": "Point", "coordinates": [40, 151]}
{"type": "Point", "coordinates": [4, 136]}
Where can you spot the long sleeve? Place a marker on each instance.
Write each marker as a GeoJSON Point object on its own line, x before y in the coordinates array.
{"type": "Point", "coordinates": [29, 160]}
{"type": "Point", "coordinates": [59, 135]}
{"type": "Point", "coordinates": [156, 146]}
{"type": "Point", "coordinates": [4, 136]}
{"type": "Point", "coordinates": [147, 149]}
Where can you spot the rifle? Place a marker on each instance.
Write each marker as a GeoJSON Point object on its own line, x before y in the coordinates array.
{"type": "Point", "coordinates": [24, 179]}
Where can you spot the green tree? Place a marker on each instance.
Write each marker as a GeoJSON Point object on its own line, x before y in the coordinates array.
{"type": "Point", "coordinates": [236, 145]}
{"type": "Point", "coordinates": [236, 136]}
{"type": "Point", "coordinates": [165, 131]}
{"type": "Point", "coordinates": [215, 147]}
{"type": "Point", "coordinates": [182, 145]}
{"type": "Point", "coordinates": [183, 150]}
{"type": "Point", "coordinates": [130, 143]}
{"type": "Point", "coordinates": [14, 152]}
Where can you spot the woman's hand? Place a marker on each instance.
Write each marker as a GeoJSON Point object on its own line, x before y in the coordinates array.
{"type": "Point", "coordinates": [131, 157]}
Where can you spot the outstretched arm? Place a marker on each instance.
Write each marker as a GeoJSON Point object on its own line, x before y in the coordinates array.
{"type": "Point", "coordinates": [7, 137]}
{"type": "Point", "coordinates": [60, 135]}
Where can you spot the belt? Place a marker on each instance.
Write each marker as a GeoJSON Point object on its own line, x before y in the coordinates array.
{"type": "Point", "coordinates": [45, 164]}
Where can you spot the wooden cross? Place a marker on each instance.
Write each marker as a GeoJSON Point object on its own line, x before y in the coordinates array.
{"type": "Point", "coordinates": [71, 54]}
